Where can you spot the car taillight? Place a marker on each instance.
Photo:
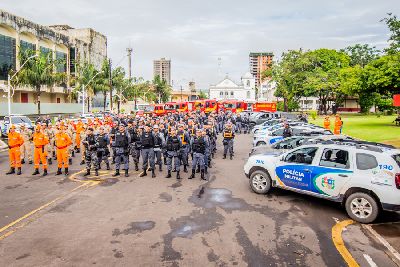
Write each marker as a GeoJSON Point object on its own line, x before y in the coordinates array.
{"type": "Point", "coordinates": [397, 180]}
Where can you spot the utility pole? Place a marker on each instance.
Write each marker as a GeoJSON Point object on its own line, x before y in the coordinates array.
{"type": "Point", "coordinates": [111, 86]}
{"type": "Point", "coordinates": [181, 93]}
{"type": "Point", "coordinates": [129, 50]}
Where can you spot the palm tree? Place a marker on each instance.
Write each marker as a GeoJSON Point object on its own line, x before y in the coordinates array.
{"type": "Point", "coordinates": [85, 74]}
{"type": "Point", "coordinates": [39, 71]}
{"type": "Point", "coordinates": [161, 89]}
{"type": "Point", "coordinates": [104, 81]}
{"type": "Point", "coordinates": [120, 84]}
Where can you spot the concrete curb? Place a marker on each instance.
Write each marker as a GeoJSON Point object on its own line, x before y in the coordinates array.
{"type": "Point", "coordinates": [393, 253]}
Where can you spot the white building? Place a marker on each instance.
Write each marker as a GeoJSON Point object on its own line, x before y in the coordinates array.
{"type": "Point", "coordinates": [267, 90]}
{"type": "Point", "coordinates": [228, 89]}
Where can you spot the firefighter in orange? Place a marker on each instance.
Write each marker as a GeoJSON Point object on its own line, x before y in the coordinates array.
{"type": "Point", "coordinates": [327, 123]}
{"type": "Point", "coordinates": [40, 141]}
{"type": "Point", "coordinates": [63, 141]}
{"type": "Point", "coordinates": [15, 141]}
{"type": "Point", "coordinates": [79, 129]}
{"type": "Point", "coordinates": [338, 125]}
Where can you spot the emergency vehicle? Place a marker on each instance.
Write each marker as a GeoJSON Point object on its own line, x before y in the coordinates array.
{"type": "Point", "coordinates": [363, 176]}
{"type": "Point", "coordinates": [171, 107]}
{"type": "Point", "coordinates": [159, 110]}
{"type": "Point", "coordinates": [264, 106]}
{"type": "Point", "coordinates": [210, 105]}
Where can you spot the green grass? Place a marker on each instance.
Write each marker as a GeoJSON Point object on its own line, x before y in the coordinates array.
{"type": "Point", "coordinates": [367, 127]}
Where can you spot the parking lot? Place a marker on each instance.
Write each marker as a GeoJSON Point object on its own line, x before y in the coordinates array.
{"type": "Point", "coordinates": [68, 221]}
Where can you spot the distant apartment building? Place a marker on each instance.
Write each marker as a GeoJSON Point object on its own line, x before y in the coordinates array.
{"type": "Point", "coordinates": [259, 62]}
{"type": "Point", "coordinates": [162, 68]}
{"type": "Point", "coordinates": [64, 42]}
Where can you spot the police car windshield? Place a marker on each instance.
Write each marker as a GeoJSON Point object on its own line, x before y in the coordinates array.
{"type": "Point", "coordinates": [397, 159]}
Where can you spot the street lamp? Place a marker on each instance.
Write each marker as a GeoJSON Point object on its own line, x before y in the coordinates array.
{"type": "Point", "coordinates": [83, 91]}
{"type": "Point", "coordinates": [9, 78]}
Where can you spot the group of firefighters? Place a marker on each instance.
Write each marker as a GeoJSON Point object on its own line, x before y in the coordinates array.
{"type": "Point", "coordinates": [338, 124]}
{"type": "Point", "coordinates": [167, 140]}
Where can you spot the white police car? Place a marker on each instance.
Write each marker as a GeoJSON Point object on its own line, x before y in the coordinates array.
{"type": "Point", "coordinates": [362, 176]}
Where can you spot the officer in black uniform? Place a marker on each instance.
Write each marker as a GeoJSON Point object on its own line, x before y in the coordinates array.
{"type": "Point", "coordinates": [159, 142]}
{"type": "Point", "coordinates": [113, 131]}
{"type": "Point", "coordinates": [102, 142]}
{"type": "Point", "coordinates": [228, 135]}
{"type": "Point", "coordinates": [121, 146]}
{"type": "Point", "coordinates": [132, 132]}
{"type": "Point", "coordinates": [173, 148]}
{"type": "Point", "coordinates": [90, 152]}
{"type": "Point", "coordinates": [198, 148]}
{"type": "Point", "coordinates": [185, 139]}
{"type": "Point", "coordinates": [147, 140]}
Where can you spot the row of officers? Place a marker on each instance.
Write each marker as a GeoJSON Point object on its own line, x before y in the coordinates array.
{"type": "Point", "coordinates": [155, 148]}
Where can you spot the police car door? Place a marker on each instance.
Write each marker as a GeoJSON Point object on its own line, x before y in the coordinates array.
{"type": "Point", "coordinates": [295, 168]}
{"type": "Point", "coordinates": [332, 172]}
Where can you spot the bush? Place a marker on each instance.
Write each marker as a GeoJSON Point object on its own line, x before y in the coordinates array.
{"type": "Point", "coordinates": [313, 114]}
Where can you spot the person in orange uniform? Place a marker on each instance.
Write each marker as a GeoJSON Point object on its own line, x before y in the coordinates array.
{"type": "Point", "coordinates": [15, 141]}
{"type": "Point", "coordinates": [63, 141]}
{"type": "Point", "coordinates": [79, 129]}
{"type": "Point", "coordinates": [338, 125]}
{"type": "Point", "coordinates": [40, 140]}
{"type": "Point", "coordinates": [327, 123]}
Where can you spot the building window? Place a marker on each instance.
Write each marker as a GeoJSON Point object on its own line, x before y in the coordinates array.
{"type": "Point", "coordinates": [72, 60]}
{"type": "Point", "coordinates": [221, 93]}
{"type": "Point", "coordinates": [232, 93]}
{"type": "Point", "coordinates": [24, 98]}
{"type": "Point", "coordinates": [58, 100]}
{"type": "Point", "coordinates": [248, 94]}
{"type": "Point", "coordinates": [27, 46]}
{"type": "Point", "coordinates": [45, 50]}
{"type": "Point", "coordinates": [61, 61]}
{"type": "Point", "coordinates": [7, 56]}
{"type": "Point", "coordinates": [248, 83]}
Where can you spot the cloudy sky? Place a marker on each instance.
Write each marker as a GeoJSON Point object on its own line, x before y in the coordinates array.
{"type": "Point", "coordinates": [194, 34]}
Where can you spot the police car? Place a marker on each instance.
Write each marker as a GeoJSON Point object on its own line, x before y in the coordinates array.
{"type": "Point", "coordinates": [364, 177]}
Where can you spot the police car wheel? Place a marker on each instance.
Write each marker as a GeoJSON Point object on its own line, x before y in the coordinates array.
{"type": "Point", "coordinates": [260, 143]}
{"type": "Point", "coordinates": [362, 207]}
{"type": "Point", "coordinates": [260, 182]}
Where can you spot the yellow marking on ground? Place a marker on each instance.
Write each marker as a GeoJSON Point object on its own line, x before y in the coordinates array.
{"type": "Point", "coordinates": [35, 211]}
{"type": "Point", "coordinates": [337, 230]}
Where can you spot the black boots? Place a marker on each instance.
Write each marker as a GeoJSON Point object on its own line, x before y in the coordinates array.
{"type": "Point", "coordinates": [198, 169]}
{"type": "Point", "coordinates": [224, 156]}
{"type": "Point", "coordinates": [185, 168]}
{"type": "Point", "coordinates": [231, 156]}
{"type": "Point", "coordinates": [160, 168]}
{"type": "Point", "coordinates": [22, 161]}
{"type": "Point", "coordinates": [30, 162]}
{"type": "Point", "coordinates": [66, 171]}
{"type": "Point", "coordinates": [58, 171]}
{"type": "Point", "coordinates": [96, 172]}
{"type": "Point", "coordinates": [169, 174]}
{"type": "Point", "coordinates": [165, 161]}
{"type": "Point", "coordinates": [202, 175]}
{"type": "Point", "coordinates": [126, 173]}
{"type": "Point", "coordinates": [108, 166]}
{"type": "Point", "coordinates": [73, 153]}
{"type": "Point", "coordinates": [19, 171]}
{"type": "Point", "coordinates": [153, 174]}
{"type": "Point", "coordinates": [116, 173]}
{"type": "Point", "coordinates": [44, 172]}
{"type": "Point", "coordinates": [82, 162]}
{"type": "Point", "coordinates": [205, 169]}
{"type": "Point", "coordinates": [36, 172]}
{"type": "Point", "coordinates": [87, 172]}
{"type": "Point", "coordinates": [178, 176]}
{"type": "Point", "coordinates": [50, 161]}
{"type": "Point", "coordinates": [11, 171]}
{"type": "Point", "coordinates": [193, 174]}
{"type": "Point", "coordinates": [136, 167]}
{"type": "Point", "coordinates": [70, 161]}
{"type": "Point", "coordinates": [144, 173]}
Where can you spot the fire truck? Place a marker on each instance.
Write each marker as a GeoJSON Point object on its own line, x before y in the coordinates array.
{"type": "Point", "coordinates": [171, 107]}
{"type": "Point", "coordinates": [210, 106]}
{"type": "Point", "coordinates": [264, 106]}
{"type": "Point", "coordinates": [159, 110]}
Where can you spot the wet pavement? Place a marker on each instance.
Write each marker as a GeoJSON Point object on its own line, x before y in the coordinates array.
{"type": "Point", "coordinates": [164, 222]}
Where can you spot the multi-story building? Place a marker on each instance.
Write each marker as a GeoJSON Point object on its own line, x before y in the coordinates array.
{"type": "Point", "coordinates": [162, 68]}
{"type": "Point", "coordinates": [64, 42]}
{"type": "Point", "coordinates": [259, 62]}
{"type": "Point", "coordinates": [228, 89]}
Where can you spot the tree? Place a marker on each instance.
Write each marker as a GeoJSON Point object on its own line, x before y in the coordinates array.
{"type": "Point", "coordinates": [84, 80]}
{"type": "Point", "coordinates": [120, 84]}
{"type": "Point", "coordinates": [104, 81]}
{"type": "Point", "coordinates": [203, 95]}
{"type": "Point", "coordinates": [161, 89]}
{"type": "Point", "coordinates": [393, 24]}
{"type": "Point", "coordinates": [361, 54]}
{"type": "Point", "coordinates": [38, 72]}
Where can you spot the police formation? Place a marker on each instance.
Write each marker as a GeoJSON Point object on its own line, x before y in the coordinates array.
{"type": "Point", "coordinates": [173, 140]}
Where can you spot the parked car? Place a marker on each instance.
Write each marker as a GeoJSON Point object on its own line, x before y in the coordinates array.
{"type": "Point", "coordinates": [365, 178]}
{"type": "Point", "coordinates": [262, 117]}
{"type": "Point", "coordinates": [16, 120]}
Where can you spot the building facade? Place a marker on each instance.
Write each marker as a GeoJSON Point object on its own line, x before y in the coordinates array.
{"type": "Point", "coordinates": [259, 62]}
{"type": "Point", "coordinates": [266, 91]}
{"type": "Point", "coordinates": [228, 89]}
{"type": "Point", "coordinates": [64, 42]}
{"type": "Point", "coordinates": [162, 68]}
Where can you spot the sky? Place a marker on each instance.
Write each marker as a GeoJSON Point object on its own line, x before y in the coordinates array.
{"type": "Point", "coordinates": [194, 34]}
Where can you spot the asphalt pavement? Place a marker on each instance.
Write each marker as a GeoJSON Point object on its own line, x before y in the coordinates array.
{"type": "Point", "coordinates": [72, 221]}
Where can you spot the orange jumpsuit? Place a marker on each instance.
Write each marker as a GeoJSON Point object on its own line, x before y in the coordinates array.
{"type": "Point", "coordinates": [15, 141]}
{"type": "Point", "coordinates": [63, 141]}
{"type": "Point", "coordinates": [338, 125]}
{"type": "Point", "coordinates": [327, 123]}
{"type": "Point", "coordinates": [40, 154]}
{"type": "Point", "coordinates": [79, 129]}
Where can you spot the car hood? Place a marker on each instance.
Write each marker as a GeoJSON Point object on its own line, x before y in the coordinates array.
{"type": "Point", "coordinates": [267, 151]}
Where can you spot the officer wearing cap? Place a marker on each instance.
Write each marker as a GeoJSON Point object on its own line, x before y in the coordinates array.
{"type": "Point", "coordinates": [173, 148]}
{"type": "Point", "coordinates": [90, 152]}
{"type": "Point", "coordinates": [198, 147]}
{"type": "Point", "coordinates": [185, 139]}
{"type": "Point", "coordinates": [159, 142]}
{"type": "Point", "coordinates": [121, 145]}
{"type": "Point", "coordinates": [228, 135]}
{"type": "Point", "coordinates": [102, 141]}
{"type": "Point", "coordinates": [147, 141]}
